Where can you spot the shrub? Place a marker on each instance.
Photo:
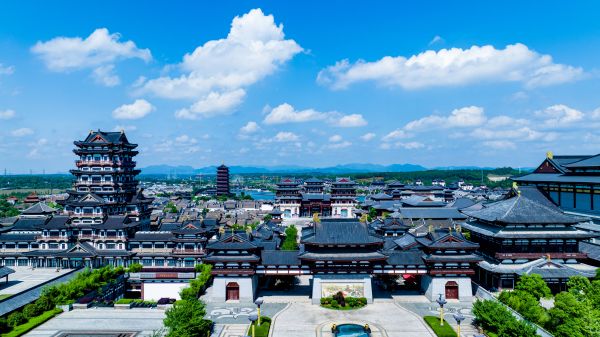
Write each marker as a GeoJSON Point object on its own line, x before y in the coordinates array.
{"type": "Point", "coordinates": [135, 268]}
{"type": "Point", "coordinates": [325, 300]}
{"type": "Point", "coordinates": [351, 302]}
{"type": "Point", "coordinates": [166, 300]}
{"type": "Point", "coordinates": [494, 317]}
{"type": "Point", "coordinates": [16, 318]}
{"type": "Point", "coordinates": [339, 297]}
{"type": "Point", "coordinates": [31, 310]}
{"type": "Point", "coordinates": [3, 325]}
{"type": "Point", "coordinates": [22, 329]}
{"type": "Point", "coordinates": [334, 304]}
{"type": "Point", "coordinates": [362, 301]}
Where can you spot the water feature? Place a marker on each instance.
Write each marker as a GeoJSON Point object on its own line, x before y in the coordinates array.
{"type": "Point", "coordinates": [351, 330]}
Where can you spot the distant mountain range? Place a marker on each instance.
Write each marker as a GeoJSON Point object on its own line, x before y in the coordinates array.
{"type": "Point", "coordinates": [338, 169]}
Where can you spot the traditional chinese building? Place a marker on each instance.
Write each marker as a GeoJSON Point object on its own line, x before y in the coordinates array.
{"type": "Point", "coordinates": [571, 182]}
{"type": "Point", "coordinates": [524, 228]}
{"type": "Point", "coordinates": [105, 181]}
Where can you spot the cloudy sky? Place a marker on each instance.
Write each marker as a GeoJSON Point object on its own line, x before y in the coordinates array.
{"type": "Point", "coordinates": [310, 83]}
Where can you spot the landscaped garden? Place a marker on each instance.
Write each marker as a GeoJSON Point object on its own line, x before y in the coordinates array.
{"type": "Point", "coordinates": [339, 302]}
{"type": "Point", "coordinates": [78, 289]}
{"type": "Point", "coordinates": [440, 330]}
{"type": "Point", "coordinates": [574, 313]}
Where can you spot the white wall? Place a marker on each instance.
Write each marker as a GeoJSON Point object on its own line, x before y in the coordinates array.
{"type": "Point", "coordinates": [157, 290]}
{"type": "Point", "coordinates": [247, 288]}
{"type": "Point", "coordinates": [434, 286]}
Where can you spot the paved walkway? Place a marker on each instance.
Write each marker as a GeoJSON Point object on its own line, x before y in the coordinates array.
{"type": "Point", "coordinates": [25, 278]}
{"type": "Point", "coordinates": [234, 330]}
{"type": "Point", "coordinates": [304, 320]}
{"type": "Point", "coordinates": [98, 320]}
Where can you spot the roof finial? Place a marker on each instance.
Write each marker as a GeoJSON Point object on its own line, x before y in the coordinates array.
{"type": "Point", "coordinates": [549, 155]}
{"type": "Point", "coordinates": [548, 257]}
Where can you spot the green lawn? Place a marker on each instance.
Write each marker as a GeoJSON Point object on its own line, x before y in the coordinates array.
{"type": "Point", "coordinates": [261, 330]}
{"type": "Point", "coordinates": [3, 296]}
{"type": "Point", "coordinates": [440, 330]}
{"type": "Point", "coordinates": [22, 329]}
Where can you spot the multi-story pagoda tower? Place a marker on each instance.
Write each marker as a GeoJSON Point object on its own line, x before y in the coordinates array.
{"type": "Point", "coordinates": [223, 180]}
{"type": "Point", "coordinates": [343, 197]}
{"type": "Point", "coordinates": [106, 182]}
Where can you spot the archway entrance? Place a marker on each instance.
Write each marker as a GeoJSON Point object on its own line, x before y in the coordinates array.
{"type": "Point", "coordinates": [232, 291]}
{"type": "Point", "coordinates": [451, 290]}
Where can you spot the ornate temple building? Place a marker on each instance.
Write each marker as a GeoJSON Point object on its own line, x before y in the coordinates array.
{"type": "Point", "coordinates": [223, 181]}
{"type": "Point", "coordinates": [303, 199]}
{"type": "Point", "coordinates": [571, 182]}
{"type": "Point", "coordinates": [105, 182]}
{"type": "Point", "coordinates": [518, 233]}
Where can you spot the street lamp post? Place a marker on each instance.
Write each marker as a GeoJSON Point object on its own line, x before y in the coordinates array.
{"type": "Point", "coordinates": [458, 318]}
{"type": "Point", "coordinates": [252, 319]}
{"type": "Point", "coordinates": [259, 301]}
{"type": "Point", "coordinates": [441, 301]}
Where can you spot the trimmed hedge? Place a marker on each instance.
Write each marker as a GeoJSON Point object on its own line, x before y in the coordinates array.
{"type": "Point", "coordinates": [261, 330]}
{"type": "Point", "coordinates": [349, 303]}
{"type": "Point", "coordinates": [440, 330]}
{"type": "Point", "coordinates": [199, 284]}
{"type": "Point", "coordinates": [22, 329]}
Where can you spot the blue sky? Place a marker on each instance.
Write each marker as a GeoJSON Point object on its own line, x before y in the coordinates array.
{"type": "Point", "coordinates": [308, 83]}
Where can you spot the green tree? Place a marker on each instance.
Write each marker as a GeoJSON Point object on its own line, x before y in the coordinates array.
{"type": "Point", "coordinates": [267, 218]}
{"type": "Point", "coordinates": [533, 284]}
{"type": "Point", "coordinates": [186, 319]}
{"type": "Point", "coordinates": [290, 242]}
{"type": "Point", "coordinates": [372, 213]}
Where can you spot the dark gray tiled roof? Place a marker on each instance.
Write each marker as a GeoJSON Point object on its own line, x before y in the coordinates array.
{"type": "Point", "coordinates": [593, 161]}
{"type": "Point", "coordinates": [340, 231]}
{"type": "Point", "coordinates": [592, 250]}
{"type": "Point", "coordinates": [153, 236]}
{"type": "Point", "coordinates": [280, 258]}
{"type": "Point", "coordinates": [39, 208]}
{"type": "Point", "coordinates": [29, 224]}
{"type": "Point", "coordinates": [523, 210]}
{"type": "Point", "coordinates": [431, 213]}
{"type": "Point", "coordinates": [57, 222]}
{"type": "Point", "coordinates": [408, 257]}
{"type": "Point", "coordinates": [4, 271]}
{"type": "Point", "coordinates": [341, 255]}
{"type": "Point", "coordinates": [558, 178]}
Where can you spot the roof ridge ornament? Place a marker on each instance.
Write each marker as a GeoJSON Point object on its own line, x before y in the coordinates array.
{"type": "Point", "coordinates": [549, 155]}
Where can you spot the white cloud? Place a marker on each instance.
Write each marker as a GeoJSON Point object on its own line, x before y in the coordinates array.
{"type": "Point", "coordinates": [339, 145]}
{"type": "Point", "coordinates": [136, 110]}
{"type": "Point", "coordinates": [463, 117]}
{"type": "Point", "coordinates": [500, 144]}
{"type": "Point", "coordinates": [286, 113]}
{"type": "Point", "coordinates": [396, 134]}
{"type": "Point", "coordinates": [124, 128]}
{"type": "Point", "coordinates": [22, 132]}
{"type": "Point", "coordinates": [436, 39]}
{"type": "Point", "coordinates": [452, 67]}
{"type": "Point", "coordinates": [350, 121]}
{"type": "Point", "coordinates": [284, 136]}
{"type": "Point", "coordinates": [335, 138]}
{"type": "Point", "coordinates": [250, 127]}
{"type": "Point", "coordinates": [254, 49]}
{"type": "Point", "coordinates": [213, 104]}
{"type": "Point", "coordinates": [522, 134]}
{"type": "Point", "coordinates": [106, 76]}
{"type": "Point", "coordinates": [368, 136]}
{"type": "Point", "coordinates": [559, 115]}
{"type": "Point", "coordinates": [6, 70]}
{"type": "Point", "coordinates": [402, 145]}
{"type": "Point", "coordinates": [7, 114]}
{"type": "Point", "coordinates": [99, 51]}
{"type": "Point", "coordinates": [186, 140]}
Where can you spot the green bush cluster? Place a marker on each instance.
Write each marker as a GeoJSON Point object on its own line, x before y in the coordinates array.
{"type": "Point", "coordinates": [496, 319]}
{"type": "Point", "coordinates": [198, 284]}
{"type": "Point", "coordinates": [576, 312]}
{"type": "Point", "coordinates": [186, 319]}
{"type": "Point", "coordinates": [346, 303]}
{"type": "Point", "coordinates": [135, 301]}
{"type": "Point", "coordinates": [440, 330]}
{"type": "Point", "coordinates": [34, 322]}
{"type": "Point", "coordinates": [135, 268]}
{"type": "Point", "coordinates": [290, 242]}
{"type": "Point", "coordinates": [64, 293]}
